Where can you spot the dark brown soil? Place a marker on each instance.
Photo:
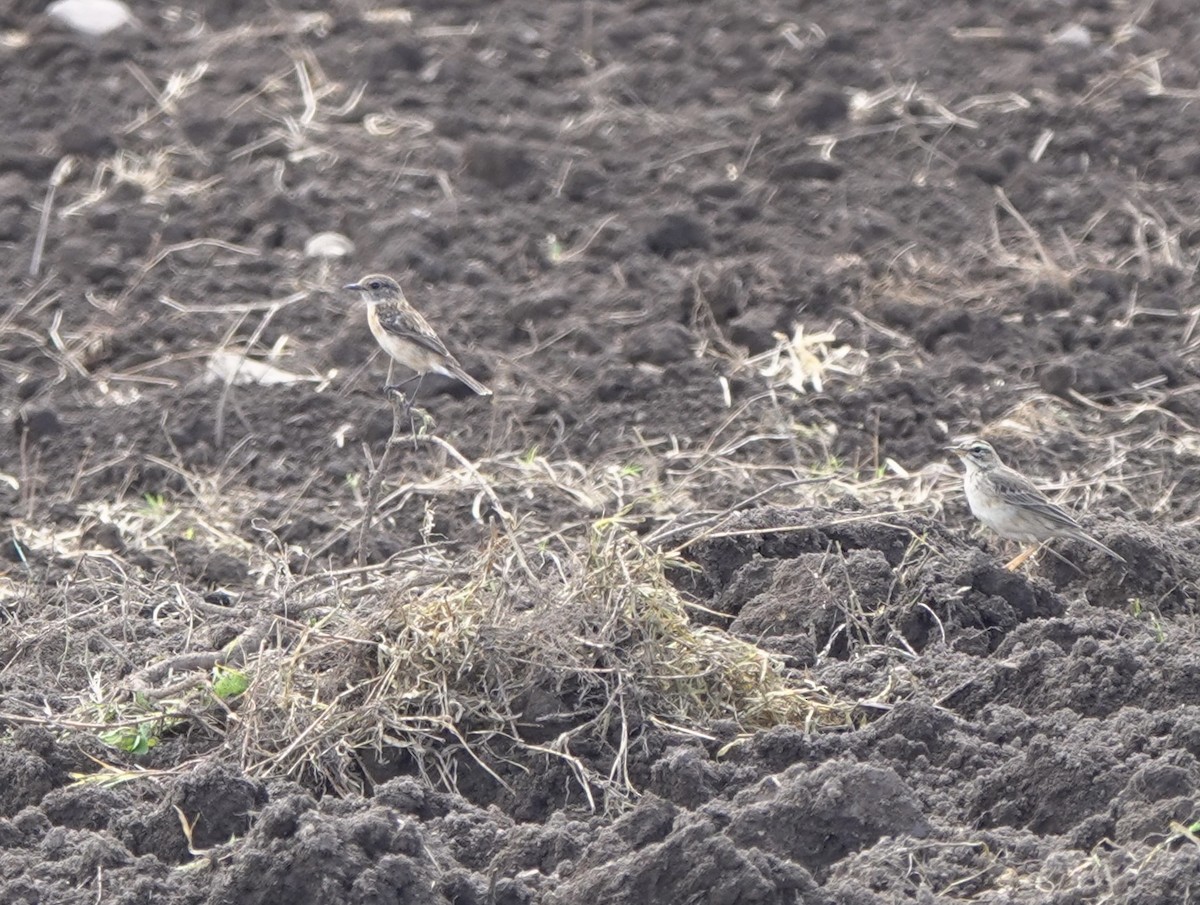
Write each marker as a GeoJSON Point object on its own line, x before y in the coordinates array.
{"type": "Point", "coordinates": [606, 207]}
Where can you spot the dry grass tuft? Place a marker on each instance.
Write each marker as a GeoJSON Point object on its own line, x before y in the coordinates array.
{"type": "Point", "coordinates": [507, 669]}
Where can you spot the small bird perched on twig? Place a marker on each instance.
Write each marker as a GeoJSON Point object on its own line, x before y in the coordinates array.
{"type": "Point", "coordinates": [1008, 503]}
{"type": "Point", "coordinates": [406, 336]}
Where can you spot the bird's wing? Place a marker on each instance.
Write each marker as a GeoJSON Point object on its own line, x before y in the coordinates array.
{"type": "Point", "coordinates": [1017, 490]}
{"type": "Point", "coordinates": [412, 326]}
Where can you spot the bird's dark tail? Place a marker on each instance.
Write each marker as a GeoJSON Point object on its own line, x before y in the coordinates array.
{"type": "Point", "coordinates": [1099, 546]}
{"type": "Point", "coordinates": [454, 369]}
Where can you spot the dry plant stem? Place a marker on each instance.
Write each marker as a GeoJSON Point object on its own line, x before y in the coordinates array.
{"type": "Point", "coordinates": [498, 508]}
{"type": "Point", "coordinates": [165, 253]}
{"type": "Point", "coordinates": [28, 491]}
{"type": "Point", "coordinates": [785, 428]}
{"type": "Point", "coordinates": [57, 722]}
{"type": "Point", "coordinates": [401, 412]}
{"type": "Point", "coordinates": [235, 653]}
{"type": "Point", "coordinates": [219, 428]}
{"type": "Point", "coordinates": [232, 654]}
{"type": "Point", "coordinates": [61, 171]}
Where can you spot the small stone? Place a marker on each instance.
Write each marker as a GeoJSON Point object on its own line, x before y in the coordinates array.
{"type": "Point", "coordinates": [328, 245]}
{"type": "Point", "coordinates": [1073, 35]}
{"type": "Point", "coordinates": [91, 17]}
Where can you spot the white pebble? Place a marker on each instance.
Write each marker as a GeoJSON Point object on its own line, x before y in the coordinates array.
{"type": "Point", "coordinates": [1074, 35]}
{"type": "Point", "coordinates": [92, 17]}
{"type": "Point", "coordinates": [328, 245]}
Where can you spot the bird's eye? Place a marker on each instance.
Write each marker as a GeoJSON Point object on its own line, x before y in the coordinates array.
{"type": "Point", "coordinates": [374, 284]}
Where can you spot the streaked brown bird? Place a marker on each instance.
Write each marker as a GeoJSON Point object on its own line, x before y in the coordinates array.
{"type": "Point", "coordinates": [1008, 503]}
{"type": "Point", "coordinates": [406, 336]}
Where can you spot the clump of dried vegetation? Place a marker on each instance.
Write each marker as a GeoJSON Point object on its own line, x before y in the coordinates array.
{"type": "Point", "coordinates": [509, 663]}
{"type": "Point", "coordinates": [534, 650]}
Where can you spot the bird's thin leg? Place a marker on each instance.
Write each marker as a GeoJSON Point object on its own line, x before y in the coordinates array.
{"type": "Point", "coordinates": [389, 388]}
{"type": "Point", "coordinates": [1019, 560]}
{"type": "Point", "coordinates": [412, 424]}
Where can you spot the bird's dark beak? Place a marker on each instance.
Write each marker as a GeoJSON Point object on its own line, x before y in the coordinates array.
{"type": "Point", "coordinates": [355, 286]}
{"type": "Point", "coordinates": [959, 451]}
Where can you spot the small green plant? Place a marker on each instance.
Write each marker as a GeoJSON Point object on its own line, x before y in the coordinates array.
{"type": "Point", "coordinates": [1139, 609]}
{"type": "Point", "coordinates": [141, 724]}
{"type": "Point", "coordinates": [137, 739]}
{"type": "Point", "coordinates": [229, 683]}
{"type": "Point", "coordinates": [831, 465]}
{"type": "Point", "coordinates": [155, 502]}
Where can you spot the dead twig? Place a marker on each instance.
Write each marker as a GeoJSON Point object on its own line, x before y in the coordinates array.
{"type": "Point", "coordinates": [62, 170]}
{"type": "Point", "coordinates": [402, 411]}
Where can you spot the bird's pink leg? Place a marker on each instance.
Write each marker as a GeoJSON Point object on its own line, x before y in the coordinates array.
{"type": "Point", "coordinates": [1019, 560]}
